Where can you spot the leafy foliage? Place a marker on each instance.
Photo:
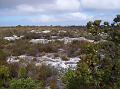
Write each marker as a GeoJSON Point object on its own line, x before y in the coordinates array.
{"type": "Point", "coordinates": [100, 62]}
{"type": "Point", "coordinates": [3, 55]}
{"type": "Point", "coordinates": [4, 76]}
{"type": "Point", "coordinates": [23, 84]}
{"type": "Point", "coordinates": [22, 72]}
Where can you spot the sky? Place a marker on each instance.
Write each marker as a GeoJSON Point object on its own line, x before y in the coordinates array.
{"type": "Point", "coordinates": [56, 12]}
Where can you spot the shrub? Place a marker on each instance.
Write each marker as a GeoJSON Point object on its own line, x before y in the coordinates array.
{"type": "Point", "coordinates": [3, 55]}
{"type": "Point", "coordinates": [14, 69]}
{"type": "Point", "coordinates": [22, 72]}
{"type": "Point", "coordinates": [67, 77]}
{"type": "Point", "coordinates": [4, 76]}
{"type": "Point", "coordinates": [53, 84]}
{"type": "Point", "coordinates": [22, 83]}
{"type": "Point", "coordinates": [65, 58]}
{"type": "Point", "coordinates": [94, 72]}
{"type": "Point", "coordinates": [21, 47]}
{"type": "Point", "coordinates": [43, 72]}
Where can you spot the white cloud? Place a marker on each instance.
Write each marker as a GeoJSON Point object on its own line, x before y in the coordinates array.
{"type": "Point", "coordinates": [101, 4]}
{"type": "Point", "coordinates": [57, 6]}
{"type": "Point", "coordinates": [59, 11]}
{"type": "Point", "coordinates": [68, 5]}
{"type": "Point", "coordinates": [28, 8]}
{"type": "Point", "coordinates": [43, 18]}
{"type": "Point", "coordinates": [79, 15]}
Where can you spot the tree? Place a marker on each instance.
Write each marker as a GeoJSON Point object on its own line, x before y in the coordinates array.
{"type": "Point", "coordinates": [106, 27]}
{"type": "Point", "coordinates": [106, 24]}
{"type": "Point", "coordinates": [94, 28]}
{"type": "Point", "coordinates": [97, 23]}
{"type": "Point", "coordinates": [117, 21]}
{"type": "Point", "coordinates": [115, 36]}
{"type": "Point", "coordinates": [90, 25]}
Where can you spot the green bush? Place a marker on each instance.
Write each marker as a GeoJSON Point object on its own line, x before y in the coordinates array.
{"type": "Point", "coordinates": [97, 69]}
{"type": "Point", "coordinates": [67, 77]}
{"type": "Point", "coordinates": [4, 76]}
{"type": "Point", "coordinates": [3, 55]}
{"type": "Point", "coordinates": [22, 83]}
{"type": "Point", "coordinates": [14, 69]}
{"type": "Point", "coordinates": [22, 72]}
{"type": "Point", "coordinates": [43, 72]}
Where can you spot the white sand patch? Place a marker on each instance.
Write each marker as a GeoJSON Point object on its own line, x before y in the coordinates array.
{"type": "Point", "coordinates": [46, 31]}
{"type": "Point", "coordinates": [68, 40]}
{"type": "Point", "coordinates": [38, 31]}
{"type": "Point", "coordinates": [57, 62]}
{"type": "Point", "coordinates": [65, 39]}
{"type": "Point", "coordinates": [42, 41]}
{"type": "Point", "coordinates": [12, 59]}
{"type": "Point", "coordinates": [63, 31]}
{"type": "Point", "coordinates": [13, 38]}
{"type": "Point", "coordinates": [35, 31]}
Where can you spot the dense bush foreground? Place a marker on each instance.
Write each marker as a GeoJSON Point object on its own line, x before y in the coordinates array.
{"type": "Point", "coordinates": [99, 67]}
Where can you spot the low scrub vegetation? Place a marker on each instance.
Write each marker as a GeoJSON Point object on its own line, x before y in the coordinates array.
{"type": "Point", "coordinates": [96, 44]}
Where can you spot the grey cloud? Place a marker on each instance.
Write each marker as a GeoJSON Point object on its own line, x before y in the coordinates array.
{"type": "Point", "coordinates": [37, 7]}
{"type": "Point", "coordinates": [58, 10]}
{"type": "Point", "coordinates": [13, 3]}
{"type": "Point", "coordinates": [100, 5]}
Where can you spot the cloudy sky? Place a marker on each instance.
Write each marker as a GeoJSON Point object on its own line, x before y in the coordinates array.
{"type": "Point", "coordinates": [56, 12]}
